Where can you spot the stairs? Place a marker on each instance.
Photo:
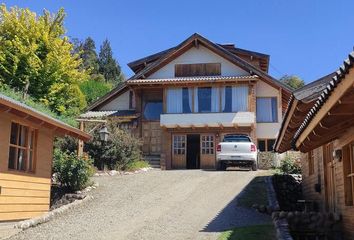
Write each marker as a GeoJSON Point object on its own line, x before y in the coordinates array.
{"type": "Point", "coordinates": [153, 160]}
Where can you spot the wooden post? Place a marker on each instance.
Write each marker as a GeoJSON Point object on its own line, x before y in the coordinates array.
{"type": "Point", "coordinates": [80, 148]}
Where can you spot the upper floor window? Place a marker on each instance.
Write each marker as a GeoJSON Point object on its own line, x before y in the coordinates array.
{"type": "Point", "coordinates": [267, 110]}
{"type": "Point", "coordinates": [198, 69]}
{"type": "Point", "coordinates": [179, 100]}
{"type": "Point", "coordinates": [153, 110]}
{"type": "Point", "coordinates": [22, 148]}
{"type": "Point", "coordinates": [234, 99]}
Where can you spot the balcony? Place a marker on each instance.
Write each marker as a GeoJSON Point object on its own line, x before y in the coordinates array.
{"type": "Point", "coordinates": [190, 120]}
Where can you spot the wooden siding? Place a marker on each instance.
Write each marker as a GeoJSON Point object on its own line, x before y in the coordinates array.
{"type": "Point", "coordinates": [198, 69]}
{"type": "Point", "coordinates": [346, 212]}
{"type": "Point", "coordinates": [25, 195]}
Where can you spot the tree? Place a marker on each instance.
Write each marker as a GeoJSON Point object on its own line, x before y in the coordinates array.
{"type": "Point", "coordinates": [37, 58]}
{"type": "Point", "coordinates": [292, 81]}
{"type": "Point", "coordinates": [87, 51]}
{"type": "Point", "coordinates": [108, 66]}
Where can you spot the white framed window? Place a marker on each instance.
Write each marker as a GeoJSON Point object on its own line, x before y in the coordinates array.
{"type": "Point", "coordinates": [207, 144]}
{"type": "Point", "coordinates": [179, 144]}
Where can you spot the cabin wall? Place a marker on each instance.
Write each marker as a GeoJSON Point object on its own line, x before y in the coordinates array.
{"type": "Point", "coordinates": [24, 195]}
{"type": "Point", "coordinates": [119, 103]}
{"type": "Point", "coordinates": [346, 212]}
{"type": "Point", "coordinates": [199, 55]}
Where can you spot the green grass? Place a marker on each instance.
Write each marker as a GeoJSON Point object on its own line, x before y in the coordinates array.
{"type": "Point", "coordinates": [36, 105]}
{"type": "Point", "coordinates": [255, 232]}
{"type": "Point", "coordinates": [255, 192]}
{"type": "Point", "coordinates": [136, 165]}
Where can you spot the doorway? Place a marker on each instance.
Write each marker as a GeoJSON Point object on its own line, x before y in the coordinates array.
{"type": "Point", "coordinates": [193, 151]}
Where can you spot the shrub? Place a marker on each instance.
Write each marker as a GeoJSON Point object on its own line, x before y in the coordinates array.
{"type": "Point", "coordinates": [71, 172]}
{"type": "Point", "coordinates": [136, 165]}
{"type": "Point", "coordinates": [290, 166]}
{"type": "Point", "coordinates": [93, 89]}
{"type": "Point", "coordinates": [118, 152]}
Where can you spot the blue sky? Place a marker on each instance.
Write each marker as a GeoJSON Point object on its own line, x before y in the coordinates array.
{"type": "Point", "coordinates": [308, 38]}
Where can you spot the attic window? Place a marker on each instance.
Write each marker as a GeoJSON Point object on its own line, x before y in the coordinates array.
{"type": "Point", "coordinates": [198, 69]}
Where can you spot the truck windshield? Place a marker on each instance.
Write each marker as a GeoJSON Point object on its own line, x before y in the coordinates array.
{"type": "Point", "coordinates": [236, 138]}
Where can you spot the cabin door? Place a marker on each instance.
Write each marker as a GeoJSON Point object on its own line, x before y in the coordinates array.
{"type": "Point", "coordinates": [179, 151]}
{"type": "Point", "coordinates": [151, 138]}
{"type": "Point", "coordinates": [207, 151]}
{"type": "Point", "coordinates": [329, 166]}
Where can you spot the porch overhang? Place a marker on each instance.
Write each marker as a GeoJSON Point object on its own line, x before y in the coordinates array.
{"type": "Point", "coordinates": [207, 120]}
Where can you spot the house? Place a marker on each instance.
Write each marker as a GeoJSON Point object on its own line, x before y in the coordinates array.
{"type": "Point", "coordinates": [26, 149]}
{"type": "Point", "coordinates": [183, 100]}
{"type": "Point", "coordinates": [319, 121]}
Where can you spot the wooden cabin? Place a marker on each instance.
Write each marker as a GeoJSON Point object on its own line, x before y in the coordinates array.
{"type": "Point", "coordinates": [322, 128]}
{"type": "Point", "coordinates": [26, 153]}
{"type": "Point", "coordinates": [183, 100]}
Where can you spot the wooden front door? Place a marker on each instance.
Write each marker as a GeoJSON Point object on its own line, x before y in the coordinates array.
{"type": "Point", "coordinates": [207, 151]}
{"type": "Point", "coordinates": [329, 175]}
{"type": "Point", "coordinates": [179, 153]}
{"type": "Point", "coordinates": [151, 138]}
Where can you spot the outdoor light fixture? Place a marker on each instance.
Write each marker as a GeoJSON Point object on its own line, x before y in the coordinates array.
{"type": "Point", "coordinates": [104, 134]}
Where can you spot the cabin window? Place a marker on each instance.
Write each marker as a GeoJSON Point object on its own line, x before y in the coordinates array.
{"type": "Point", "coordinates": [267, 111]}
{"type": "Point", "coordinates": [207, 144]}
{"type": "Point", "coordinates": [311, 162]}
{"type": "Point", "coordinates": [179, 100]}
{"type": "Point", "coordinates": [179, 144]}
{"type": "Point", "coordinates": [153, 110]}
{"type": "Point", "coordinates": [198, 69]}
{"type": "Point", "coordinates": [22, 148]}
{"type": "Point", "coordinates": [265, 145]}
{"type": "Point", "coordinates": [206, 99]}
{"type": "Point", "coordinates": [348, 171]}
{"type": "Point", "coordinates": [234, 99]}
{"type": "Point", "coordinates": [131, 100]}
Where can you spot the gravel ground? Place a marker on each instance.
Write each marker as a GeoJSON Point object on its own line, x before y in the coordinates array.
{"type": "Point", "coordinates": [185, 204]}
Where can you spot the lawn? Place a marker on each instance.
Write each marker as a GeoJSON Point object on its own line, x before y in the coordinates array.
{"type": "Point", "coordinates": [255, 232]}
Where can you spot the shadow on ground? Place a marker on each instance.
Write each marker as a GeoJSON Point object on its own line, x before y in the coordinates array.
{"type": "Point", "coordinates": [233, 215]}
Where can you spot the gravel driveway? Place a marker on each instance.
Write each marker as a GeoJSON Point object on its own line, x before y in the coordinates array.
{"type": "Point", "coordinates": [185, 204]}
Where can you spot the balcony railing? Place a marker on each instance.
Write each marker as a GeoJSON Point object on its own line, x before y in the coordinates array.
{"type": "Point", "coordinates": [188, 120]}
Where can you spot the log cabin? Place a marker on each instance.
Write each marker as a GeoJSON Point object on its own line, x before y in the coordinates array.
{"type": "Point", "coordinates": [183, 100]}
{"type": "Point", "coordinates": [26, 153]}
{"type": "Point", "coordinates": [319, 122]}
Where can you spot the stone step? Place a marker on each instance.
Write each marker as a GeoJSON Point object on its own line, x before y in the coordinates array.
{"type": "Point", "coordinates": [153, 160]}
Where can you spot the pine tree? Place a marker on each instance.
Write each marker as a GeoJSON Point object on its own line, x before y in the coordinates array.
{"type": "Point", "coordinates": [89, 56]}
{"type": "Point", "coordinates": [108, 66]}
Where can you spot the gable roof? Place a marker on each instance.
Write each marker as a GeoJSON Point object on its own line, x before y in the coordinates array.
{"type": "Point", "coordinates": [300, 102]}
{"type": "Point", "coordinates": [10, 105]}
{"type": "Point", "coordinates": [194, 40]}
{"type": "Point", "coordinates": [305, 103]}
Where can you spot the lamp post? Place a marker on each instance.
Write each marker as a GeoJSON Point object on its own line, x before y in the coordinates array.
{"type": "Point", "coordinates": [103, 134]}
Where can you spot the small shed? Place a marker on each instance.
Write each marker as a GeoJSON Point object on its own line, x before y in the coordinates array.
{"type": "Point", "coordinates": [26, 152]}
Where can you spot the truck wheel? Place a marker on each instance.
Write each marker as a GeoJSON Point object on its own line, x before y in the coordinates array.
{"type": "Point", "coordinates": [254, 167]}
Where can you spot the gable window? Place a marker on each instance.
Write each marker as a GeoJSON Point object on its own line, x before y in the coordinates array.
{"type": "Point", "coordinates": [265, 145]}
{"type": "Point", "coordinates": [198, 69]}
{"type": "Point", "coordinates": [179, 100]}
{"type": "Point", "coordinates": [22, 148]}
{"type": "Point", "coordinates": [311, 162]}
{"type": "Point", "coordinates": [234, 99]}
{"type": "Point", "coordinates": [153, 110]}
{"type": "Point", "coordinates": [348, 171]}
{"type": "Point", "coordinates": [267, 110]}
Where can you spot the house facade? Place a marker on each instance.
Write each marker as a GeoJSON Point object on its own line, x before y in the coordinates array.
{"type": "Point", "coordinates": [319, 122]}
{"type": "Point", "coordinates": [26, 154]}
{"type": "Point", "coordinates": [183, 100]}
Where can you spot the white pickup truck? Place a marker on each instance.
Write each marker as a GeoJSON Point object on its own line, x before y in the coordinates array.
{"type": "Point", "coordinates": [236, 150]}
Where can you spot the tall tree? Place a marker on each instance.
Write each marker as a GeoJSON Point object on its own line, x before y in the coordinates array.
{"type": "Point", "coordinates": [292, 81]}
{"type": "Point", "coordinates": [36, 58]}
{"type": "Point", "coordinates": [89, 56]}
{"type": "Point", "coordinates": [108, 66]}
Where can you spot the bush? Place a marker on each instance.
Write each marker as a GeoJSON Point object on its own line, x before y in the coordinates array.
{"type": "Point", "coordinates": [118, 152]}
{"type": "Point", "coordinates": [93, 89]}
{"type": "Point", "coordinates": [290, 166]}
{"type": "Point", "coordinates": [71, 172]}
